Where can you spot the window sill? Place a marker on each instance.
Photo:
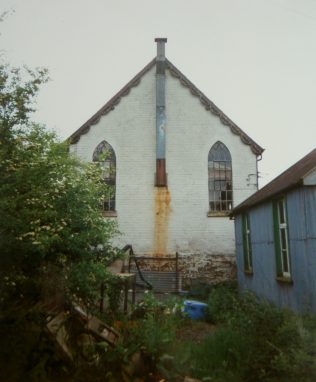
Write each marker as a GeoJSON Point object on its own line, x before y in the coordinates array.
{"type": "Point", "coordinates": [248, 272]}
{"type": "Point", "coordinates": [218, 214]}
{"type": "Point", "coordinates": [284, 279]}
{"type": "Point", "coordinates": [109, 214]}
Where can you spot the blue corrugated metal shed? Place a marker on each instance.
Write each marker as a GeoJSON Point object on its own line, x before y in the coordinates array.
{"type": "Point", "coordinates": [298, 292]}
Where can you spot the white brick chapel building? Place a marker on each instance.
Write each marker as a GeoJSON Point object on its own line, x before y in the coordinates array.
{"type": "Point", "coordinates": [178, 164]}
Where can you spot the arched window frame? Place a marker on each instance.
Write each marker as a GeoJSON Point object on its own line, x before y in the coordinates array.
{"type": "Point", "coordinates": [220, 180]}
{"type": "Point", "coordinates": [105, 156]}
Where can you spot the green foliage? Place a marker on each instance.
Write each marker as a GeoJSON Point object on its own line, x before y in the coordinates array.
{"type": "Point", "coordinates": [155, 332]}
{"type": "Point", "coordinates": [54, 242]}
{"type": "Point", "coordinates": [148, 304]}
{"type": "Point", "coordinates": [200, 289]}
{"type": "Point", "coordinates": [18, 90]}
{"type": "Point", "coordinates": [252, 341]}
{"type": "Point", "coordinates": [223, 301]}
{"type": "Point", "coordinates": [255, 342]}
{"type": "Point", "coordinates": [86, 276]}
{"type": "Point", "coordinates": [49, 201]}
{"type": "Point", "coordinates": [217, 356]}
{"type": "Point", "coordinates": [158, 333]}
{"type": "Point", "coordinates": [26, 354]}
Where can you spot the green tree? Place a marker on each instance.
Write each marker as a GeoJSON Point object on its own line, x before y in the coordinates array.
{"type": "Point", "coordinates": [54, 241]}
{"type": "Point", "coordinates": [49, 200]}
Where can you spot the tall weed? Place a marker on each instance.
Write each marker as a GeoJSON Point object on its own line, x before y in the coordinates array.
{"type": "Point", "coordinates": [255, 342]}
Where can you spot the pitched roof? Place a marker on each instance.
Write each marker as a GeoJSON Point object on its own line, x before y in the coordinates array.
{"type": "Point", "coordinates": [289, 179]}
{"type": "Point", "coordinates": [207, 103]}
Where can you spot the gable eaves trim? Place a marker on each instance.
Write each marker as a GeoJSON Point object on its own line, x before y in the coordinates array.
{"type": "Point", "coordinates": [209, 105]}
{"type": "Point", "coordinates": [110, 105]}
{"type": "Point", "coordinates": [206, 102]}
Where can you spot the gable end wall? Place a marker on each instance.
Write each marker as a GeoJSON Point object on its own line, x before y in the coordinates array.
{"type": "Point", "coordinates": [190, 133]}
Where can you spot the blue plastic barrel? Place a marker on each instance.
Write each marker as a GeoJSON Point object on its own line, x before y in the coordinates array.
{"type": "Point", "coordinates": [196, 310]}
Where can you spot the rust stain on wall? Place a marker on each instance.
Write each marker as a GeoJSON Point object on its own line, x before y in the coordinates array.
{"type": "Point", "coordinates": [162, 212]}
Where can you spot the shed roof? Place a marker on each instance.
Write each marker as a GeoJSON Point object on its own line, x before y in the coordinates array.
{"type": "Point", "coordinates": [289, 179]}
{"type": "Point", "coordinates": [207, 103]}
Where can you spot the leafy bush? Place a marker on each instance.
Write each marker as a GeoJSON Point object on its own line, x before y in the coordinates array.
{"type": "Point", "coordinates": [49, 200]}
{"type": "Point", "coordinates": [223, 301]}
{"type": "Point", "coordinates": [51, 220]}
{"type": "Point", "coordinates": [85, 278]}
{"type": "Point", "coordinates": [156, 330]}
{"type": "Point", "coordinates": [252, 341]}
{"type": "Point", "coordinates": [255, 342]}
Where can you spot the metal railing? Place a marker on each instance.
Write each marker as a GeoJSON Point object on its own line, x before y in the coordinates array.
{"type": "Point", "coordinates": [132, 257]}
{"type": "Point", "coordinates": [162, 272]}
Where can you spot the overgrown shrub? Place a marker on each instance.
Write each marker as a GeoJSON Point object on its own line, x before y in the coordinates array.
{"type": "Point", "coordinates": [156, 330]}
{"type": "Point", "coordinates": [85, 278]}
{"type": "Point", "coordinates": [49, 200]}
{"type": "Point", "coordinates": [223, 301]}
{"type": "Point", "coordinates": [50, 219]}
{"type": "Point", "coordinates": [255, 342]}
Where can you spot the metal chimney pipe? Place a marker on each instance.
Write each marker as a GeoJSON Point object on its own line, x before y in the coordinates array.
{"type": "Point", "coordinates": [161, 175]}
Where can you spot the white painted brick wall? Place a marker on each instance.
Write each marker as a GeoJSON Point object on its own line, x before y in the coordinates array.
{"type": "Point", "coordinates": [191, 131]}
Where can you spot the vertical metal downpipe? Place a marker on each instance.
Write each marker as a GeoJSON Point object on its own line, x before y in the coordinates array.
{"type": "Point", "coordinates": [161, 175]}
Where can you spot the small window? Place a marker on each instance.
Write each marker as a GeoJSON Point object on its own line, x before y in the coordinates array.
{"type": "Point", "coordinates": [281, 239]}
{"type": "Point", "coordinates": [247, 243]}
{"type": "Point", "coordinates": [105, 156]}
{"type": "Point", "coordinates": [220, 179]}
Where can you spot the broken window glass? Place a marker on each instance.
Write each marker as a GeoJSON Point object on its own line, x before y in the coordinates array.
{"type": "Point", "coordinates": [220, 178]}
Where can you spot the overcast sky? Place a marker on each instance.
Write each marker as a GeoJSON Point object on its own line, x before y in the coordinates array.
{"type": "Point", "coordinates": [255, 59]}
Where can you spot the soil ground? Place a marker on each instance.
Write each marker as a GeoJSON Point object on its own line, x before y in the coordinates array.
{"type": "Point", "coordinates": [194, 331]}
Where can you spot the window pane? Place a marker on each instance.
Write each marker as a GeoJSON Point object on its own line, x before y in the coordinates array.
{"type": "Point", "coordinates": [285, 259]}
{"type": "Point", "coordinates": [105, 156]}
{"type": "Point", "coordinates": [217, 195]}
{"type": "Point", "coordinates": [222, 165]}
{"type": "Point", "coordinates": [220, 176]}
{"type": "Point", "coordinates": [247, 243]}
{"type": "Point", "coordinates": [281, 208]}
{"type": "Point", "coordinates": [282, 245]}
{"type": "Point", "coordinates": [106, 167]}
{"type": "Point", "coordinates": [283, 239]}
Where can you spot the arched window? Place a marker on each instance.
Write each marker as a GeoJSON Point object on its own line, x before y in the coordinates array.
{"type": "Point", "coordinates": [105, 155]}
{"type": "Point", "coordinates": [220, 178]}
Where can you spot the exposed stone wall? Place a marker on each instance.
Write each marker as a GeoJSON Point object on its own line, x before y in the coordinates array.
{"type": "Point", "coordinates": [211, 269]}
